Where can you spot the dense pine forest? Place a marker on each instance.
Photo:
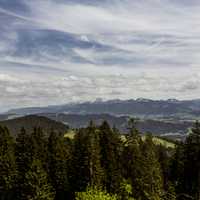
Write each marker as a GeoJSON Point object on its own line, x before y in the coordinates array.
{"type": "Point", "coordinates": [98, 164]}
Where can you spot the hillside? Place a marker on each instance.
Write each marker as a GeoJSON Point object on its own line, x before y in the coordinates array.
{"type": "Point", "coordinates": [157, 127]}
{"type": "Point", "coordinates": [173, 129]}
{"type": "Point", "coordinates": [157, 140]}
{"type": "Point", "coordinates": [29, 122]}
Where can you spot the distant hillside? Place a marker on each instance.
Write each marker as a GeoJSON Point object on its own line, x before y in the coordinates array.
{"type": "Point", "coordinates": [4, 117]}
{"type": "Point", "coordinates": [154, 126]}
{"type": "Point", "coordinates": [143, 108]}
{"type": "Point", "coordinates": [61, 122]}
{"type": "Point", "coordinates": [29, 122]}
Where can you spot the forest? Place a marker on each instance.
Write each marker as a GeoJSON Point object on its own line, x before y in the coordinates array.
{"type": "Point", "coordinates": [98, 164]}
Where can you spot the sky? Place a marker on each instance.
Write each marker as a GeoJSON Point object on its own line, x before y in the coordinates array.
{"type": "Point", "coordinates": [59, 51]}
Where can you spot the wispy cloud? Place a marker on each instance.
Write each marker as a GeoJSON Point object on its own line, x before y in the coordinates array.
{"type": "Point", "coordinates": [81, 50]}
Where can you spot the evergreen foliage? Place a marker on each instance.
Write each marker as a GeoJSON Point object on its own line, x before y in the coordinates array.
{"type": "Point", "coordinates": [23, 161]}
{"type": "Point", "coordinates": [110, 157]}
{"type": "Point", "coordinates": [58, 163]}
{"type": "Point", "coordinates": [98, 164]}
{"type": "Point", "coordinates": [190, 179]}
{"type": "Point", "coordinates": [7, 164]}
{"type": "Point", "coordinates": [37, 185]}
{"type": "Point", "coordinates": [94, 194]}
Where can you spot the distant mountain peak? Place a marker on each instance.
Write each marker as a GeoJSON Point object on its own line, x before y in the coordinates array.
{"type": "Point", "coordinates": [141, 107]}
{"type": "Point", "coordinates": [173, 100]}
{"type": "Point", "coordinates": [143, 100]}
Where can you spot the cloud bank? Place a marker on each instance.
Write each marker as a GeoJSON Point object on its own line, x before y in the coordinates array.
{"type": "Point", "coordinates": [59, 51]}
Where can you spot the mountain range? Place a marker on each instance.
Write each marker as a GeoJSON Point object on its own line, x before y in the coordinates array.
{"type": "Point", "coordinates": [141, 108]}
{"type": "Point", "coordinates": [171, 118]}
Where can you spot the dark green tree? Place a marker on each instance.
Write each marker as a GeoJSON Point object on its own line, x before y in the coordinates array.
{"type": "Point", "coordinates": [190, 180]}
{"type": "Point", "coordinates": [37, 186]}
{"type": "Point", "coordinates": [38, 147]}
{"type": "Point", "coordinates": [7, 164]}
{"type": "Point", "coordinates": [86, 161]}
{"type": "Point", "coordinates": [79, 170]}
{"type": "Point", "coordinates": [96, 170]}
{"type": "Point", "coordinates": [152, 180]}
{"type": "Point", "coordinates": [132, 160]}
{"type": "Point", "coordinates": [110, 144]}
{"type": "Point", "coordinates": [23, 161]}
{"type": "Point", "coordinates": [164, 158]}
{"type": "Point", "coordinates": [133, 131]}
{"type": "Point", "coordinates": [58, 164]}
{"type": "Point", "coordinates": [176, 168]}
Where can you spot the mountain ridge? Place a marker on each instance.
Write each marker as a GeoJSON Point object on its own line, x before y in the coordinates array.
{"type": "Point", "coordinates": [142, 108]}
{"type": "Point", "coordinates": [31, 121]}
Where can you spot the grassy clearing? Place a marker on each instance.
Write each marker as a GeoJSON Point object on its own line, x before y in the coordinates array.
{"type": "Point", "coordinates": [158, 141]}
{"type": "Point", "coordinates": [70, 134]}
{"type": "Point", "coordinates": [167, 144]}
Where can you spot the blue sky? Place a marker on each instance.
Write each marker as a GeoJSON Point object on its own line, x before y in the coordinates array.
{"type": "Point", "coordinates": [60, 51]}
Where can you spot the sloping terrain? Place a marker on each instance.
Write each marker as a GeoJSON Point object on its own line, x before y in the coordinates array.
{"type": "Point", "coordinates": [156, 127]}
{"type": "Point", "coordinates": [29, 122]}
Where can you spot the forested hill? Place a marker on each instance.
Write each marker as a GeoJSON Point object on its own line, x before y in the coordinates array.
{"type": "Point", "coordinates": [157, 127]}
{"type": "Point", "coordinates": [98, 164]}
{"type": "Point", "coordinates": [59, 122]}
{"type": "Point", "coordinates": [31, 121]}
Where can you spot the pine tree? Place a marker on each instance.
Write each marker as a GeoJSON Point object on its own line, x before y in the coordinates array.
{"type": "Point", "coordinates": [58, 163]}
{"type": "Point", "coordinates": [164, 156]}
{"type": "Point", "coordinates": [141, 166]}
{"type": "Point", "coordinates": [152, 183]}
{"type": "Point", "coordinates": [96, 170]}
{"type": "Point", "coordinates": [134, 133]}
{"type": "Point", "coordinates": [176, 169]}
{"type": "Point", "coordinates": [132, 160]}
{"type": "Point", "coordinates": [23, 161]}
{"type": "Point", "coordinates": [79, 170]}
{"type": "Point", "coordinates": [38, 146]}
{"type": "Point", "coordinates": [7, 163]}
{"type": "Point", "coordinates": [110, 157]}
{"type": "Point", "coordinates": [37, 186]}
{"type": "Point", "coordinates": [190, 180]}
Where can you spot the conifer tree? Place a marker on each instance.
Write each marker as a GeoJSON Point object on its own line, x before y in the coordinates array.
{"type": "Point", "coordinates": [191, 163]}
{"type": "Point", "coordinates": [164, 160]}
{"type": "Point", "coordinates": [134, 133]}
{"type": "Point", "coordinates": [79, 170]}
{"type": "Point", "coordinates": [152, 183]}
{"type": "Point", "coordinates": [58, 163]}
{"type": "Point", "coordinates": [37, 186]}
{"type": "Point", "coordinates": [96, 170]}
{"type": "Point", "coordinates": [23, 161]}
{"type": "Point", "coordinates": [132, 160]}
{"type": "Point", "coordinates": [176, 169]}
{"type": "Point", "coordinates": [110, 157]}
{"type": "Point", "coordinates": [38, 146]}
{"type": "Point", "coordinates": [7, 163]}
{"type": "Point", "coordinates": [86, 160]}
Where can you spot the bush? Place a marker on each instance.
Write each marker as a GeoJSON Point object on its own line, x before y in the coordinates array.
{"type": "Point", "coordinates": [94, 194]}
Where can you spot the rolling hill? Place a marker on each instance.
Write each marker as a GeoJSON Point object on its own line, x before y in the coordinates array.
{"type": "Point", "coordinates": [29, 122]}
{"type": "Point", "coordinates": [156, 127]}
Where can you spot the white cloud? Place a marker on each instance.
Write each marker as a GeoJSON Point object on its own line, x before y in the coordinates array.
{"type": "Point", "coordinates": [146, 48]}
